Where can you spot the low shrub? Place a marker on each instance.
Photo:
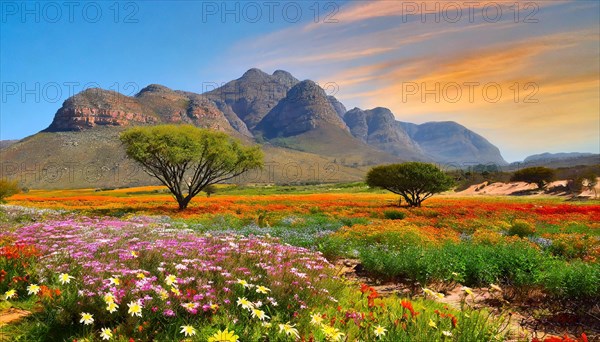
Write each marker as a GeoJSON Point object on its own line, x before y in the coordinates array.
{"type": "Point", "coordinates": [394, 214]}
{"type": "Point", "coordinates": [521, 229]}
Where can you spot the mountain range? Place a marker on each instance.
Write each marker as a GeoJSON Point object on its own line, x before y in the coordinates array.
{"type": "Point", "coordinates": [295, 121]}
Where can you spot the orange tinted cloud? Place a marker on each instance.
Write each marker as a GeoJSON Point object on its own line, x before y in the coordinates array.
{"type": "Point", "coordinates": [415, 9]}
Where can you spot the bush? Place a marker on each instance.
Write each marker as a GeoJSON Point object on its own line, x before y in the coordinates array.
{"type": "Point", "coordinates": [350, 221]}
{"type": "Point", "coordinates": [210, 189]}
{"type": "Point", "coordinates": [8, 188]}
{"type": "Point", "coordinates": [521, 229]}
{"type": "Point", "coordinates": [394, 214]}
{"type": "Point", "coordinates": [538, 175]}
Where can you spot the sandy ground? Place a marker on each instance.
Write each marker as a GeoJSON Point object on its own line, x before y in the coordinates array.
{"type": "Point", "coordinates": [12, 315]}
{"type": "Point", "coordinates": [514, 188]}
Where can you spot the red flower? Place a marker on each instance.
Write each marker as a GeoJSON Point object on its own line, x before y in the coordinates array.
{"type": "Point", "coordinates": [408, 306]}
{"type": "Point", "coordinates": [371, 298]}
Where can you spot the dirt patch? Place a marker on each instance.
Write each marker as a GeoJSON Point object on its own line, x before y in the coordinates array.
{"type": "Point", "coordinates": [12, 315]}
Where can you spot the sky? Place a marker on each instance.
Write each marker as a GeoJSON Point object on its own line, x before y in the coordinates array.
{"type": "Point", "coordinates": [524, 75]}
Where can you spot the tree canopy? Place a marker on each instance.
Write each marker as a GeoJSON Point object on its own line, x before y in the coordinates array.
{"type": "Point", "coordinates": [187, 159]}
{"type": "Point", "coordinates": [538, 175]}
{"type": "Point", "coordinates": [414, 181]}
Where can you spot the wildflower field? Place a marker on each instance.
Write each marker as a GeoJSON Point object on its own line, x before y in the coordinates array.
{"type": "Point", "coordinates": [125, 265]}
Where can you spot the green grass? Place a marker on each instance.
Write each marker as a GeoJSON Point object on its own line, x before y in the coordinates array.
{"type": "Point", "coordinates": [517, 265]}
{"type": "Point", "coordinates": [259, 189]}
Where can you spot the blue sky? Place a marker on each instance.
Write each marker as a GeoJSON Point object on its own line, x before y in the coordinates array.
{"type": "Point", "coordinates": [372, 51]}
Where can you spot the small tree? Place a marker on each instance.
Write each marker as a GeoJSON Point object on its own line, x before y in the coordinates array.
{"type": "Point", "coordinates": [538, 175]}
{"type": "Point", "coordinates": [210, 189]}
{"type": "Point", "coordinates": [8, 188]}
{"type": "Point", "coordinates": [187, 159]}
{"type": "Point", "coordinates": [414, 181]}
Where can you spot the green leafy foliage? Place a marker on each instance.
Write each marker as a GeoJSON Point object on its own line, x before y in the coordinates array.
{"type": "Point", "coordinates": [414, 181]}
{"type": "Point", "coordinates": [187, 159]}
{"type": "Point", "coordinates": [538, 175]}
{"type": "Point", "coordinates": [210, 189]}
{"type": "Point", "coordinates": [394, 214]}
{"type": "Point", "coordinates": [515, 264]}
{"type": "Point", "coordinates": [521, 229]}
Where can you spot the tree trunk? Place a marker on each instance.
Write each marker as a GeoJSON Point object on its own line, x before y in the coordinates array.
{"type": "Point", "coordinates": [183, 203]}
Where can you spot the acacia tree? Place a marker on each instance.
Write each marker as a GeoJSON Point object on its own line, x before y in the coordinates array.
{"type": "Point", "coordinates": [538, 175]}
{"type": "Point", "coordinates": [187, 159]}
{"type": "Point", "coordinates": [414, 181]}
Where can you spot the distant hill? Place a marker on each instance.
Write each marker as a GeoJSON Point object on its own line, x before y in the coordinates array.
{"type": "Point", "coordinates": [545, 157]}
{"type": "Point", "coordinates": [295, 121]}
{"type": "Point", "coordinates": [94, 158]}
{"type": "Point", "coordinates": [6, 143]}
{"type": "Point", "coordinates": [558, 160]}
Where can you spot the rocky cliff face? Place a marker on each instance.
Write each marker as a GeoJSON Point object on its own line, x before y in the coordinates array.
{"type": "Point", "coordinates": [339, 107]}
{"type": "Point", "coordinates": [98, 107]}
{"type": "Point", "coordinates": [451, 143]}
{"type": "Point", "coordinates": [152, 105]}
{"type": "Point", "coordinates": [305, 108]}
{"type": "Point", "coordinates": [378, 127]}
{"type": "Point", "coordinates": [253, 95]}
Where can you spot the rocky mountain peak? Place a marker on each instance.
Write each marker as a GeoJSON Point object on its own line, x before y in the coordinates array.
{"type": "Point", "coordinates": [382, 111]}
{"type": "Point", "coordinates": [377, 127]}
{"type": "Point", "coordinates": [306, 90]}
{"type": "Point", "coordinates": [356, 119]}
{"type": "Point", "coordinates": [305, 108]}
{"type": "Point", "coordinates": [255, 73]}
{"type": "Point", "coordinates": [253, 95]}
{"type": "Point", "coordinates": [285, 77]}
{"type": "Point", "coordinates": [155, 88]}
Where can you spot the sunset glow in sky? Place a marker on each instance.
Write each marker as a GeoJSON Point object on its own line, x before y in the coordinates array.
{"type": "Point", "coordinates": [525, 75]}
